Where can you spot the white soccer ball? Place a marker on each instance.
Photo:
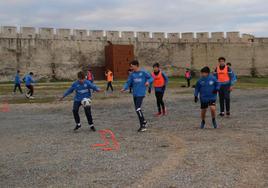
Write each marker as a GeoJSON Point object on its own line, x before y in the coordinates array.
{"type": "Point", "coordinates": [27, 95]}
{"type": "Point", "coordinates": [86, 102]}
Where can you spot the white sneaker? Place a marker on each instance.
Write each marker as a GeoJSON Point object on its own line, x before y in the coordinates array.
{"type": "Point", "coordinates": [31, 97]}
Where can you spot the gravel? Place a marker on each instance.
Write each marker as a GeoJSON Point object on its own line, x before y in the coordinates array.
{"type": "Point", "coordinates": [39, 148]}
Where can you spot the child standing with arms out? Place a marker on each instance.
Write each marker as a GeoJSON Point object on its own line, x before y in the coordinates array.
{"type": "Point", "coordinates": [139, 80]}
{"type": "Point", "coordinates": [206, 88]}
{"type": "Point", "coordinates": [82, 88]}
{"type": "Point", "coordinates": [17, 82]}
{"type": "Point", "coordinates": [160, 83]}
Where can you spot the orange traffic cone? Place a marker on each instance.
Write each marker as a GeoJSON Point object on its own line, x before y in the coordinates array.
{"type": "Point", "coordinates": [5, 106]}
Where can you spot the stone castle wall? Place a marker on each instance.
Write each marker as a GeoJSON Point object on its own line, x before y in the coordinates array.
{"type": "Point", "coordinates": [60, 53]}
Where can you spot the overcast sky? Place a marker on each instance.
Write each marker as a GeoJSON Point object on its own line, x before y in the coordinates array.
{"type": "Point", "coordinates": [247, 16]}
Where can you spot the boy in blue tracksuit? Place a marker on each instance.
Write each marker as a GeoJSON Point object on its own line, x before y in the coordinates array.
{"type": "Point", "coordinates": [82, 88]}
{"type": "Point", "coordinates": [28, 79]}
{"type": "Point", "coordinates": [139, 81]}
{"type": "Point", "coordinates": [206, 88]}
{"type": "Point", "coordinates": [17, 82]}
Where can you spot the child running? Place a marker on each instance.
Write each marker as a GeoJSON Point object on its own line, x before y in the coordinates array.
{"type": "Point", "coordinates": [139, 80]}
{"type": "Point", "coordinates": [206, 88]}
{"type": "Point", "coordinates": [82, 88]}
{"type": "Point", "coordinates": [17, 82]}
{"type": "Point", "coordinates": [28, 79]}
{"type": "Point", "coordinates": [160, 82]}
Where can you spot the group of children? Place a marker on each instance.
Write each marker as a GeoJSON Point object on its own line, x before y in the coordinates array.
{"type": "Point", "coordinates": [28, 80]}
{"type": "Point", "coordinates": [206, 90]}
{"type": "Point", "coordinates": [138, 80]}
{"type": "Point", "coordinates": [209, 85]}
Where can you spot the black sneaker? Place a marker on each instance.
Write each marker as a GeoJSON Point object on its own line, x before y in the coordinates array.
{"type": "Point", "coordinates": [228, 114]}
{"type": "Point", "coordinates": [93, 128]}
{"type": "Point", "coordinates": [142, 129]}
{"type": "Point", "coordinates": [78, 126]}
{"type": "Point", "coordinates": [214, 123]}
{"type": "Point", "coordinates": [145, 124]}
{"type": "Point", "coordinates": [221, 114]}
{"type": "Point", "coordinates": [202, 125]}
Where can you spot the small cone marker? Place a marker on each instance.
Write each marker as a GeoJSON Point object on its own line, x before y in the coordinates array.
{"type": "Point", "coordinates": [5, 106]}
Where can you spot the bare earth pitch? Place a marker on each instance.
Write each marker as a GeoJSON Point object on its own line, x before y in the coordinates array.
{"type": "Point", "coordinates": [40, 149]}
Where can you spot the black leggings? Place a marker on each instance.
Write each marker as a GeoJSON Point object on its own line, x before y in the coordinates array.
{"type": "Point", "coordinates": [224, 96]}
{"type": "Point", "coordinates": [188, 82]}
{"type": "Point", "coordinates": [76, 107]}
{"type": "Point", "coordinates": [138, 102]}
{"type": "Point", "coordinates": [109, 85]}
{"type": "Point", "coordinates": [159, 99]}
{"type": "Point", "coordinates": [31, 90]}
{"type": "Point", "coordinates": [17, 86]}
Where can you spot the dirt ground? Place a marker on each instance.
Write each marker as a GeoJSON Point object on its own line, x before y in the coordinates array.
{"type": "Point", "coordinates": [39, 148]}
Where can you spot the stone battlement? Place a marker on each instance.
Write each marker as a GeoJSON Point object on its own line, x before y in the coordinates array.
{"type": "Point", "coordinates": [60, 53]}
{"type": "Point", "coordinates": [118, 36]}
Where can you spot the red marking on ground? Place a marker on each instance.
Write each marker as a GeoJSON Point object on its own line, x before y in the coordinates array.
{"type": "Point", "coordinates": [108, 144]}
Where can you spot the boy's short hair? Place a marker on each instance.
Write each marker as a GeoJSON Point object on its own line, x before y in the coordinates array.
{"type": "Point", "coordinates": [135, 62]}
{"type": "Point", "coordinates": [31, 73]}
{"type": "Point", "coordinates": [229, 64]}
{"type": "Point", "coordinates": [205, 70]}
{"type": "Point", "coordinates": [18, 71]}
{"type": "Point", "coordinates": [222, 58]}
{"type": "Point", "coordinates": [81, 75]}
{"type": "Point", "coordinates": [156, 65]}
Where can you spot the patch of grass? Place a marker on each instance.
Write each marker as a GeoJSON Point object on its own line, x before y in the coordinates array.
{"type": "Point", "coordinates": [30, 101]}
{"type": "Point", "coordinates": [46, 92]}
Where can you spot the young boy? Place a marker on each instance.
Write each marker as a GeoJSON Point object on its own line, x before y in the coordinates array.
{"type": "Point", "coordinates": [226, 78]}
{"type": "Point", "coordinates": [17, 82]}
{"type": "Point", "coordinates": [139, 80]}
{"type": "Point", "coordinates": [188, 77]}
{"type": "Point", "coordinates": [28, 79]}
{"type": "Point", "coordinates": [109, 77]}
{"type": "Point", "coordinates": [206, 88]}
{"type": "Point", "coordinates": [160, 82]}
{"type": "Point", "coordinates": [82, 88]}
{"type": "Point", "coordinates": [90, 76]}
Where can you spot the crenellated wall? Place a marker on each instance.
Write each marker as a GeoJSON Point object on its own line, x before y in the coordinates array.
{"type": "Point", "coordinates": [60, 53]}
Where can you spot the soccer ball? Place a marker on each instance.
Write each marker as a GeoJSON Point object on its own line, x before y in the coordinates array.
{"type": "Point", "coordinates": [27, 95]}
{"type": "Point", "coordinates": [86, 102]}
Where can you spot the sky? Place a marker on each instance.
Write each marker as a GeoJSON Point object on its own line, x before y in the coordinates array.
{"type": "Point", "coordinates": [246, 16]}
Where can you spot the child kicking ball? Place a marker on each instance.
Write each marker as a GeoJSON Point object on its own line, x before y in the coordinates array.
{"type": "Point", "coordinates": [82, 97]}
{"type": "Point", "coordinates": [207, 88]}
